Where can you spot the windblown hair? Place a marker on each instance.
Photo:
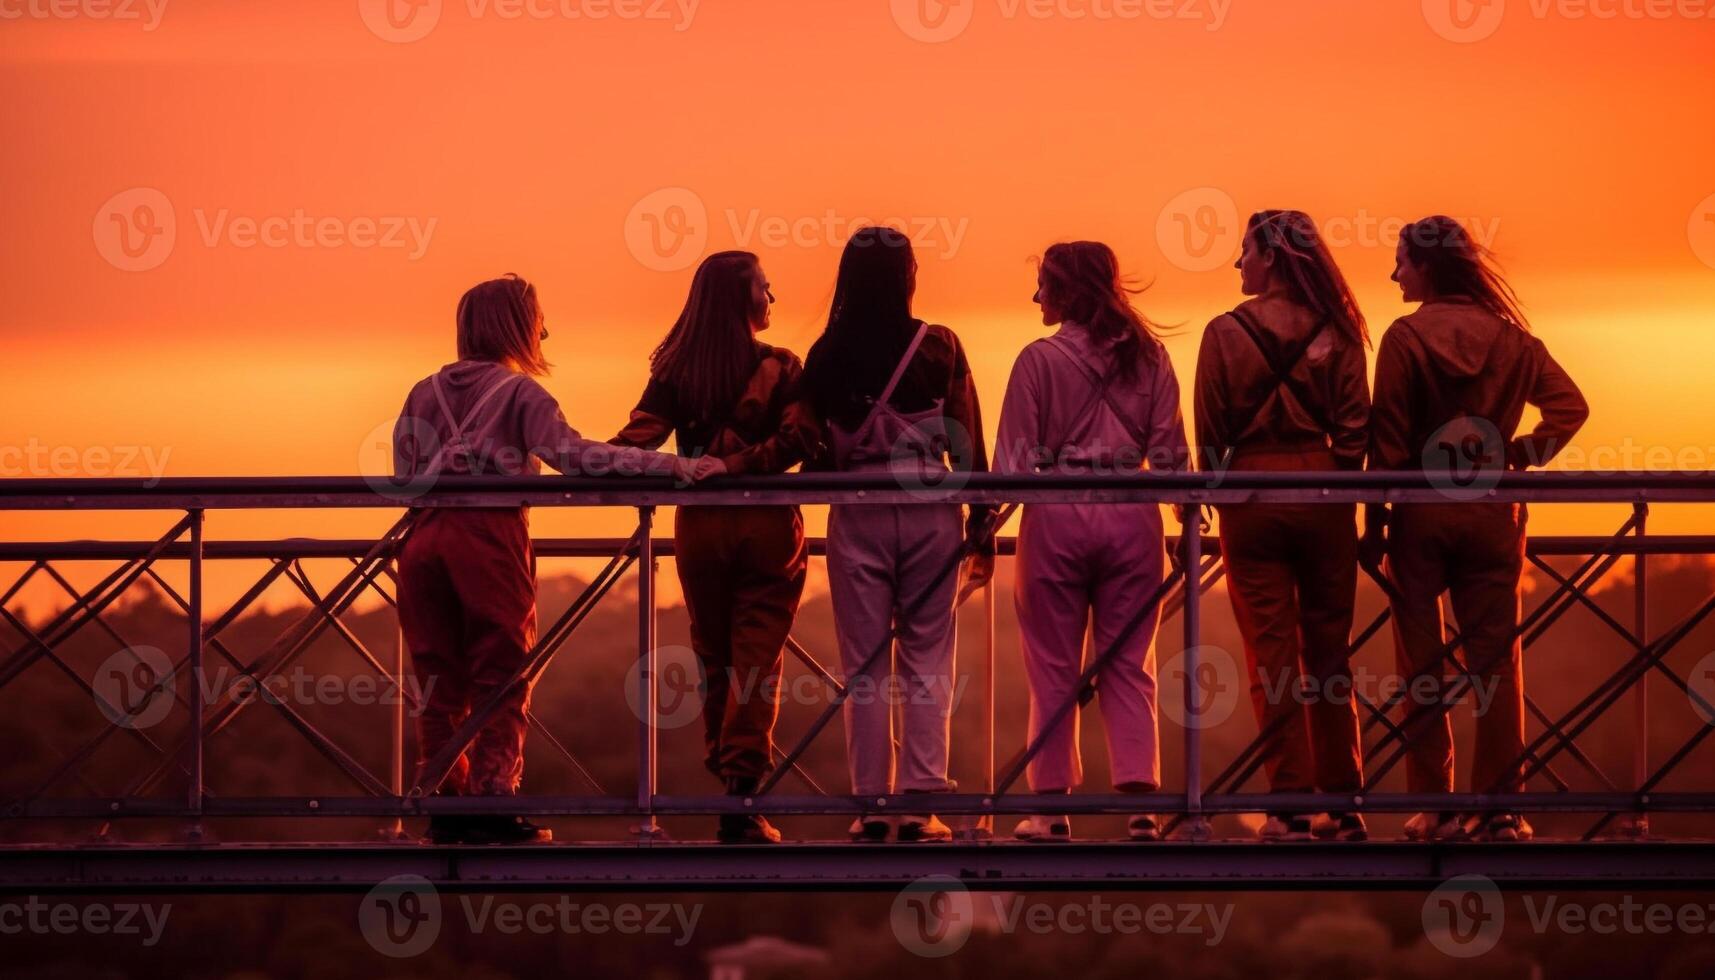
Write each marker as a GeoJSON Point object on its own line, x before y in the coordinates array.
{"type": "Point", "coordinates": [1457, 265]}
{"type": "Point", "coordinates": [501, 320]}
{"type": "Point", "coordinates": [1083, 281]}
{"type": "Point", "coordinates": [1306, 268]}
{"type": "Point", "coordinates": [710, 354]}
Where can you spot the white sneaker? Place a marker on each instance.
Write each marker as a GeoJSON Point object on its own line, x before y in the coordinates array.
{"type": "Point", "coordinates": [870, 829]}
{"type": "Point", "coordinates": [1435, 827]}
{"type": "Point", "coordinates": [1143, 828]}
{"type": "Point", "coordinates": [1043, 829]}
{"type": "Point", "coordinates": [1285, 827]}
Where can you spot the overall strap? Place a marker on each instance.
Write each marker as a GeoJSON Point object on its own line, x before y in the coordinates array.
{"type": "Point", "coordinates": [886, 396]}
{"type": "Point", "coordinates": [1282, 367]}
{"type": "Point", "coordinates": [456, 444]}
{"type": "Point", "coordinates": [1104, 393]}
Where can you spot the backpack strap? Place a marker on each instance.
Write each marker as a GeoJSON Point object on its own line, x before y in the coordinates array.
{"type": "Point", "coordinates": [1104, 393]}
{"type": "Point", "coordinates": [1282, 365]}
{"type": "Point", "coordinates": [886, 396]}
{"type": "Point", "coordinates": [457, 444]}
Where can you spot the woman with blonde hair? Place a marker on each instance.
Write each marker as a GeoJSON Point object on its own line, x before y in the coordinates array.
{"type": "Point", "coordinates": [467, 576]}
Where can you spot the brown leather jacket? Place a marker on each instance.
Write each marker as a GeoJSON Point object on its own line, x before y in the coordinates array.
{"type": "Point", "coordinates": [1240, 408]}
{"type": "Point", "coordinates": [1454, 358]}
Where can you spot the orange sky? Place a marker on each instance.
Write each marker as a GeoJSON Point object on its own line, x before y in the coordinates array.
{"type": "Point", "coordinates": [525, 143]}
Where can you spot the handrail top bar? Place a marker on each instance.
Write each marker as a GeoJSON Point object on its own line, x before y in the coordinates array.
{"type": "Point", "coordinates": [246, 493]}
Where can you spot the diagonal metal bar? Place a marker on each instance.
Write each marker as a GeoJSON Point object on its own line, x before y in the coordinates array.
{"type": "Point", "coordinates": [23, 580]}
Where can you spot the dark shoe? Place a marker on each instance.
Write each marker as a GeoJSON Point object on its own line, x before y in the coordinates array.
{"type": "Point", "coordinates": [870, 829]}
{"type": "Point", "coordinates": [447, 830]}
{"type": "Point", "coordinates": [745, 828]}
{"type": "Point", "coordinates": [1285, 827]}
{"type": "Point", "coordinates": [1348, 827]}
{"type": "Point", "coordinates": [504, 830]}
{"type": "Point", "coordinates": [928, 829]}
{"type": "Point", "coordinates": [1508, 828]}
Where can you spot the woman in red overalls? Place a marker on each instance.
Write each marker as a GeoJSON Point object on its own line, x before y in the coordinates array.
{"type": "Point", "coordinates": [1281, 387]}
{"type": "Point", "coordinates": [467, 577]}
{"type": "Point", "coordinates": [1454, 378]}
{"type": "Point", "coordinates": [727, 397]}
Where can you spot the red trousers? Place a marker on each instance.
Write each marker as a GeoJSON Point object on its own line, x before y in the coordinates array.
{"type": "Point", "coordinates": [467, 606]}
{"type": "Point", "coordinates": [1292, 573]}
{"type": "Point", "coordinates": [1474, 552]}
{"type": "Point", "coordinates": [743, 570]}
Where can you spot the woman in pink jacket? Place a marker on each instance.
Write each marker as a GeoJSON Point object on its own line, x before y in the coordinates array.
{"type": "Point", "coordinates": [1098, 396]}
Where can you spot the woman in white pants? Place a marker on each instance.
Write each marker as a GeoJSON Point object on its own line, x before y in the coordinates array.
{"type": "Point", "coordinates": [1098, 396]}
{"type": "Point", "coordinates": [895, 396]}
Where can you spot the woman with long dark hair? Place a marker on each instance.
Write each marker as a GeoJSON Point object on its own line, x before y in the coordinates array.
{"type": "Point", "coordinates": [1281, 386]}
{"type": "Point", "coordinates": [895, 395]}
{"type": "Point", "coordinates": [467, 577]}
{"type": "Point", "coordinates": [1098, 396]}
{"type": "Point", "coordinates": [1452, 381]}
{"type": "Point", "coordinates": [732, 401]}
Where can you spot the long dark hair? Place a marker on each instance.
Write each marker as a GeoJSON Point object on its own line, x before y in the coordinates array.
{"type": "Point", "coordinates": [1083, 281]}
{"type": "Point", "coordinates": [869, 324]}
{"type": "Point", "coordinates": [1457, 265]}
{"type": "Point", "coordinates": [1306, 268]}
{"type": "Point", "coordinates": [710, 354]}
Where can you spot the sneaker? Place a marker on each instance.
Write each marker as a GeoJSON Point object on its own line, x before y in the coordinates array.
{"type": "Point", "coordinates": [1345, 827]}
{"type": "Point", "coordinates": [1143, 828]}
{"type": "Point", "coordinates": [503, 830]}
{"type": "Point", "coordinates": [1435, 827]}
{"type": "Point", "coordinates": [447, 830]}
{"type": "Point", "coordinates": [1285, 827]}
{"type": "Point", "coordinates": [1044, 829]}
{"type": "Point", "coordinates": [923, 830]}
{"type": "Point", "coordinates": [746, 828]}
{"type": "Point", "coordinates": [1506, 828]}
{"type": "Point", "coordinates": [870, 829]}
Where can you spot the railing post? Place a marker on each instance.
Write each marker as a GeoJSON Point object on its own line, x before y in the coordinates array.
{"type": "Point", "coordinates": [1196, 825]}
{"type": "Point", "coordinates": [647, 828]}
{"type": "Point", "coordinates": [397, 831]}
{"type": "Point", "coordinates": [985, 825]}
{"type": "Point", "coordinates": [194, 614]}
{"type": "Point", "coordinates": [1639, 824]}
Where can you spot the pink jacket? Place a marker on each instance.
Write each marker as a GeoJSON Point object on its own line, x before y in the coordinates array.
{"type": "Point", "coordinates": [510, 425]}
{"type": "Point", "coordinates": [1053, 417]}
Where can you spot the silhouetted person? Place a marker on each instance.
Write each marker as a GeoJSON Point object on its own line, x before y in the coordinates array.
{"type": "Point", "coordinates": [1452, 381]}
{"type": "Point", "coordinates": [1281, 387]}
{"type": "Point", "coordinates": [896, 397]}
{"type": "Point", "coordinates": [1098, 396]}
{"type": "Point", "coordinates": [467, 577]}
{"type": "Point", "coordinates": [732, 400]}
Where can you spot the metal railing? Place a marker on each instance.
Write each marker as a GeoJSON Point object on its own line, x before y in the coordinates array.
{"type": "Point", "coordinates": [1197, 569]}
